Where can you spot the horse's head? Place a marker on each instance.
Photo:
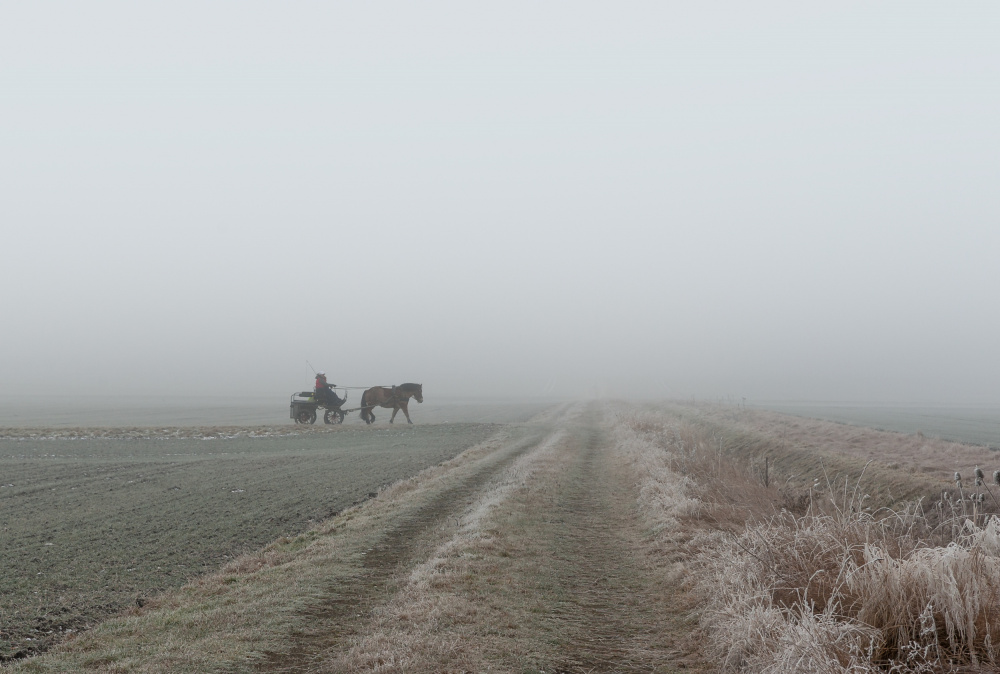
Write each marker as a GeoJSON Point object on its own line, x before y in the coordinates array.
{"type": "Point", "coordinates": [405, 391]}
{"type": "Point", "coordinates": [415, 390]}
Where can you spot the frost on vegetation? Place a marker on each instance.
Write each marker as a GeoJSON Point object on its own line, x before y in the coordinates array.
{"type": "Point", "coordinates": [471, 522]}
{"type": "Point", "coordinates": [406, 632]}
{"type": "Point", "coordinates": [847, 592]}
{"type": "Point", "coordinates": [652, 447]}
{"type": "Point", "coordinates": [510, 481]}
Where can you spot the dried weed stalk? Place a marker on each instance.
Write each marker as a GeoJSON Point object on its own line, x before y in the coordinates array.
{"type": "Point", "coordinates": [856, 591]}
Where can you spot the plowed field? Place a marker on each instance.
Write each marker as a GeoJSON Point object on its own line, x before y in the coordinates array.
{"type": "Point", "coordinates": [96, 520]}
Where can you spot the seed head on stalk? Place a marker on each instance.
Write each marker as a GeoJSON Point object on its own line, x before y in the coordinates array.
{"type": "Point", "coordinates": [996, 481]}
{"type": "Point", "coordinates": [979, 476]}
{"type": "Point", "coordinates": [961, 492]}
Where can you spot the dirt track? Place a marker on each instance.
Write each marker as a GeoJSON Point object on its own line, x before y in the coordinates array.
{"type": "Point", "coordinates": [579, 595]}
{"type": "Point", "coordinates": [613, 615]}
{"type": "Point", "coordinates": [342, 610]}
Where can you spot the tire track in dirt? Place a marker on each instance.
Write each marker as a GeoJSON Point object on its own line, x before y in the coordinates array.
{"type": "Point", "coordinates": [609, 614]}
{"type": "Point", "coordinates": [405, 543]}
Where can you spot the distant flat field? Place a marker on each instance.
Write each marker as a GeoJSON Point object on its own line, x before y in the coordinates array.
{"type": "Point", "coordinates": [972, 425]}
{"type": "Point", "coordinates": [95, 518]}
{"type": "Point", "coordinates": [59, 411]}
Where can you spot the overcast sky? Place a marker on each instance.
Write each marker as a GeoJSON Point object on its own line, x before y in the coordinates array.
{"type": "Point", "coordinates": [770, 200]}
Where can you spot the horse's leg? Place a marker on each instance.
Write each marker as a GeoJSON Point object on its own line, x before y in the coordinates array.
{"type": "Point", "coordinates": [406, 411]}
{"type": "Point", "coordinates": [364, 411]}
{"type": "Point", "coordinates": [394, 410]}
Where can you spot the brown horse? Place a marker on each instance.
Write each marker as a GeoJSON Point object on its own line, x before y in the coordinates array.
{"type": "Point", "coordinates": [395, 397]}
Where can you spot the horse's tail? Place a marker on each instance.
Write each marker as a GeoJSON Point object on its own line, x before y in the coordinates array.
{"type": "Point", "coordinates": [364, 402]}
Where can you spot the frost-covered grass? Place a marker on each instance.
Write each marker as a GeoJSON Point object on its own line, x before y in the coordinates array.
{"type": "Point", "coordinates": [832, 587]}
{"type": "Point", "coordinates": [683, 473]}
{"type": "Point", "coordinates": [436, 622]}
{"type": "Point", "coordinates": [852, 591]}
{"type": "Point", "coordinates": [659, 456]}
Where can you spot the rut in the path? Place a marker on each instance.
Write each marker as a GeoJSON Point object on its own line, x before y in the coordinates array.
{"type": "Point", "coordinates": [605, 619]}
{"type": "Point", "coordinates": [345, 607]}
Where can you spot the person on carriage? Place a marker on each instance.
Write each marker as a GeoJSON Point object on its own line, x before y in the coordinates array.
{"type": "Point", "coordinates": [324, 391]}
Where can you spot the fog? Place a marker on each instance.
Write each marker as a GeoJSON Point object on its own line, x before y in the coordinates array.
{"type": "Point", "coordinates": [792, 201]}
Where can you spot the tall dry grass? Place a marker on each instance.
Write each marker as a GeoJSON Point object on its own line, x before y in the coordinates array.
{"type": "Point", "coordinates": [686, 475]}
{"type": "Point", "coordinates": [666, 492]}
{"type": "Point", "coordinates": [852, 591]}
{"type": "Point", "coordinates": [832, 588]}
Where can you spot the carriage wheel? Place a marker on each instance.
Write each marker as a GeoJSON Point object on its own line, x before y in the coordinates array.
{"type": "Point", "coordinates": [306, 417]}
{"type": "Point", "coordinates": [333, 417]}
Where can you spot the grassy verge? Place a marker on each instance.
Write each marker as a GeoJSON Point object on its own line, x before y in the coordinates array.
{"type": "Point", "coordinates": [833, 584]}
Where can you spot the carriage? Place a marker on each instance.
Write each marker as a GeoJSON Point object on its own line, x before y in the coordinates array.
{"type": "Point", "coordinates": [304, 406]}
